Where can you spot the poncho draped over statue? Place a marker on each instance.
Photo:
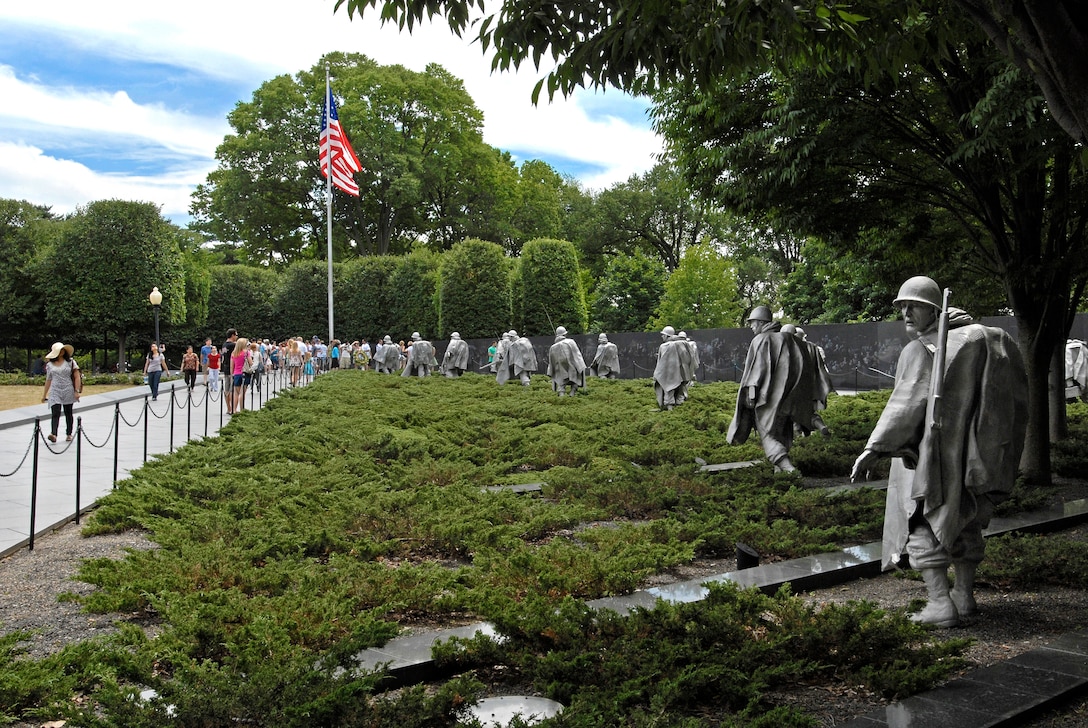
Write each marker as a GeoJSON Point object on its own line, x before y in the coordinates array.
{"type": "Point", "coordinates": [566, 365]}
{"type": "Point", "coordinates": [515, 359]}
{"type": "Point", "coordinates": [420, 359]}
{"type": "Point", "coordinates": [387, 357]}
{"type": "Point", "coordinates": [675, 368]}
{"type": "Point", "coordinates": [456, 356]}
{"type": "Point", "coordinates": [976, 451]}
{"type": "Point", "coordinates": [780, 371]}
{"type": "Point", "coordinates": [607, 360]}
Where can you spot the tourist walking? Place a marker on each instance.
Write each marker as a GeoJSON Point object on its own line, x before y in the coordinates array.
{"type": "Point", "coordinates": [155, 367]}
{"type": "Point", "coordinates": [190, 363]}
{"type": "Point", "coordinates": [213, 371]}
{"type": "Point", "coordinates": [63, 383]}
{"type": "Point", "coordinates": [294, 361]}
{"type": "Point", "coordinates": [238, 359]}
{"type": "Point", "coordinates": [224, 362]}
{"type": "Point", "coordinates": [204, 351]}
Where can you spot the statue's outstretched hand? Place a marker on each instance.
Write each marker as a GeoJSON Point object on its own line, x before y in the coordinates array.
{"type": "Point", "coordinates": [863, 465]}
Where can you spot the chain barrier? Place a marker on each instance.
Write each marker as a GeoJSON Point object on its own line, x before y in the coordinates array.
{"type": "Point", "coordinates": [49, 446]}
{"type": "Point", "coordinates": [130, 424]}
{"type": "Point", "coordinates": [156, 415]}
{"type": "Point", "coordinates": [109, 435]}
{"type": "Point", "coordinates": [264, 394]}
{"type": "Point", "coordinates": [22, 460]}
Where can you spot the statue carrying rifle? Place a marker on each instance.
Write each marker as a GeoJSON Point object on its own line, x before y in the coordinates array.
{"type": "Point", "coordinates": [954, 428]}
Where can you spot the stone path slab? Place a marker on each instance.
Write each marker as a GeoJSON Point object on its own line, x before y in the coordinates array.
{"type": "Point", "coordinates": [1001, 695]}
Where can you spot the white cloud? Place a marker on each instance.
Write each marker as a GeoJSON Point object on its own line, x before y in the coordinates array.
{"type": "Point", "coordinates": [26, 173]}
{"type": "Point", "coordinates": [253, 40]}
{"type": "Point", "coordinates": [33, 107]}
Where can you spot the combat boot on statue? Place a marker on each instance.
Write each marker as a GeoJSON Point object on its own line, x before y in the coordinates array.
{"type": "Point", "coordinates": [783, 465]}
{"type": "Point", "coordinates": [940, 611]}
{"type": "Point", "coordinates": [963, 591]}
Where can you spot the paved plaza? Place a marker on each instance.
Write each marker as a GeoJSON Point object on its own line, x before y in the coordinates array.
{"type": "Point", "coordinates": [33, 470]}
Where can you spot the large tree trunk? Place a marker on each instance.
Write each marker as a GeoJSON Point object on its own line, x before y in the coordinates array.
{"type": "Point", "coordinates": [121, 352]}
{"type": "Point", "coordinates": [1059, 429]}
{"type": "Point", "coordinates": [1037, 343]}
{"type": "Point", "coordinates": [1035, 462]}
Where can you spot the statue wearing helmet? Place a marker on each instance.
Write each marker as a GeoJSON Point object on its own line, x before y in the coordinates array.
{"type": "Point", "coordinates": [455, 360]}
{"type": "Point", "coordinates": [821, 377]}
{"type": "Point", "coordinates": [420, 360]}
{"type": "Point", "coordinates": [387, 356]}
{"type": "Point", "coordinates": [515, 359]}
{"type": "Point", "coordinates": [675, 369]}
{"type": "Point", "coordinates": [775, 391]}
{"type": "Point", "coordinates": [606, 363]}
{"type": "Point", "coordinates": [954, 458]}
{"type": "Point", "coordinates": [566, 365]}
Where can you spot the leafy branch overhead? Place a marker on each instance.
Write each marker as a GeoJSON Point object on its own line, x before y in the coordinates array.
{"type": "Point", "coordinates": [643, 45]}
{"type": "Point", "coordinates": [636, 46]}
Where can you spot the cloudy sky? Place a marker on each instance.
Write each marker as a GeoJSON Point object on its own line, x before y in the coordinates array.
{"type": "Point", "coordinates": [128, 99]}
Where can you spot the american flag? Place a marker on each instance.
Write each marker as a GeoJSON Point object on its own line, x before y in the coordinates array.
{"type": "Point", "coordinates": [335, 144]}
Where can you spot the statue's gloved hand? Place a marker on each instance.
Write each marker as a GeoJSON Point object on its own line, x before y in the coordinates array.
{"type": "Point", "coordinates": [863, 465]}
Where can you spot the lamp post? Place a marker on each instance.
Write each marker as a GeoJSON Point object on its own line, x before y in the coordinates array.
{"type": "Point", "coordinates": [156, 300]}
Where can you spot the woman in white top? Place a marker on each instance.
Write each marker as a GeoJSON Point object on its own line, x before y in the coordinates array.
{"type": "Point", "coordinates": [63, 383]}
{"type": "Point", "coordinates": [155, 368]}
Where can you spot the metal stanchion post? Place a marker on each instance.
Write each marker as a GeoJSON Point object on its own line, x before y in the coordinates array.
{"type": "Point", "coordinates": [188, 414]}
{"type": "Point", "coordinates": [147, 415]}
{"type": "Point", "coordinates": [34, 483]}
{"type": "Point", "coordinates": [207, 407]}
{"type": "Point", "coordinates": [79, 459]}
{"type": "Point", "coordinates": [171, 418]}
{"type": "Point", "coordinates": [116, 438]}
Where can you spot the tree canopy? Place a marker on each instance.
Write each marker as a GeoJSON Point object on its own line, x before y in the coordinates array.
{"type": "Point", "coordinates": [701, 293]}
{"type": "Point", "coordinates": [644, 45]}
{"type": "Point", "coordinates": [110, 255]}
{"type": "Point", "coordinates": [957, 140]}
{"type": "Point", "coordinates": [426, 172]}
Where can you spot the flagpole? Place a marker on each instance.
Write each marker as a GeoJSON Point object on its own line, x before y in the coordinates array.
{"type": "Point", "coordinates": [328, 191]}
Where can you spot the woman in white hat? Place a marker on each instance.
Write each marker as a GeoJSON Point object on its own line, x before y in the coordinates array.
{"type": "Point", "coordinates": [63, 383]}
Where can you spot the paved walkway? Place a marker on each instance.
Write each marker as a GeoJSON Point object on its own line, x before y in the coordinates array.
{"type": "Point", "coordinates": [33, 470]}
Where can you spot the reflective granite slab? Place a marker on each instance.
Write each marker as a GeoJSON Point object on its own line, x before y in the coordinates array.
{"type": "Point", "coordinates": [516, 488]}
{"type": "Point", "coordinates": [500, 711]}
{"type": "Point", "coordinates": [1005, 694]}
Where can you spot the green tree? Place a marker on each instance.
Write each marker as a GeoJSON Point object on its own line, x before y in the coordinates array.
{"type": "Point", "coordinates": [552, 292]}
{"type": "Point", "coordinates": [364, 298]}
{"type": "Point", "coordinates": [198, 264]}
{"type": "Point", "coordinates": [426, 171]}
{"type": "Point", "coordinates": [701, 293]}
{"type": "Point", "coordinates": [300, 305]}
{"type": "Point", "coordinates": [265, 196]}
{"type": "Point", "coordinates": [628, 293]}
{"type": "Point", "coordinates": [241, 297]}
{"type": "Point", "coordinates": [412, 291]}
{"type": "Point", "coordinates": [645, 46]}
{"type": "Point", "coordinates": [110, 255]}
{"type": "Point", "coordinates": [26, 231]}
{"type": "Point", "coordinates": [960, 142]}
{"type": "Point", "coordinates": [655, 212]}
{"type": "Point", "coordinates": [474, 290]}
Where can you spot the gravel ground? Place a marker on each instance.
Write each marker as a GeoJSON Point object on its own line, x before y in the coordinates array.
{"type": "Point", "coordinates": [31, 581]}
{"type": "Point", "coordinates": [1009, 622]}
